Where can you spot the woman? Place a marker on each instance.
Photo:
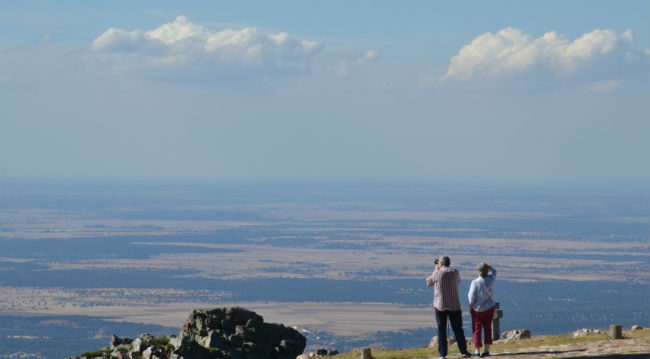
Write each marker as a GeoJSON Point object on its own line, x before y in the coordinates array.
{"type": "Point", "coordinates": [482, 307]}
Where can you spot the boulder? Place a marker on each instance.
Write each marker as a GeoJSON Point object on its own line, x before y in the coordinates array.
{"type": "Point", "coordinates": [636, 327]}
{"type": "Point", "coordinates": [516, 334]}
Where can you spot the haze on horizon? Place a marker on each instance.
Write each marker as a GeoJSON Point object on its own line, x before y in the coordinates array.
{"type": "Point", "coordinates": [504, 91]}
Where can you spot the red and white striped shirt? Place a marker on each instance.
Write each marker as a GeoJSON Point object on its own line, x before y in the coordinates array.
{"type": "Point", "coordinates": [445, 291]}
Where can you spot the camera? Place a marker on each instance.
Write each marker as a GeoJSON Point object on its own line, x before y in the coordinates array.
{"type": "Point", "coordinates": [435, 261]}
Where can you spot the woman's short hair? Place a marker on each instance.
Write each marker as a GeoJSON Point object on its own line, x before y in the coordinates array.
{"type": "Point", "coordinates": [483, 269]}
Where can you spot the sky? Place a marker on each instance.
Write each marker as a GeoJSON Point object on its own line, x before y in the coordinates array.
{"type": "Point", "coordinates": [504, 91]}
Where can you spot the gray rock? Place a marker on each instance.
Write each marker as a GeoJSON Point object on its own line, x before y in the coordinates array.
{"type": "Point", "coordinates": [117, 342]}
{"type": "Point", "coordinates": [154, 353]}
{"type": "Point", "coordinates": [175, 342]}
{"type": "Point", "coordinates": [433, 343]}
{"type": "Point", "coordinates": [580, 333]}
{"type": "Point", "coordinates": [240, 330]}
{"type": "Point", "coordinates": [192, 350]}
{"type": "Point", "coordinates": [235, 333]}
{"type": "Point", "coordinates": [322, 352]}
{"type": "Point", "coordinates": [146, 354]}
{"type": "Point", "coordinates": [516, 334]}
{"type": "Point", "coordinates": [236, 340]}
{"type": "Point", "coordinates": [147, 339]}
{"type": "Point", "coordinates": [137, 345]}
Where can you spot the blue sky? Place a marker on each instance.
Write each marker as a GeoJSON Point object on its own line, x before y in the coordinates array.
{"type": "Point", "coordinates": [508, 91]}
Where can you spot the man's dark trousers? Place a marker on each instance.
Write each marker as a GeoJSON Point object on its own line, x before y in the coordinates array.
{"type": "Point", "coordinates": [456, 319]}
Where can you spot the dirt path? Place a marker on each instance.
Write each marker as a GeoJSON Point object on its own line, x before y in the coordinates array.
{"type": "Point", "coordinates": [606, 349]}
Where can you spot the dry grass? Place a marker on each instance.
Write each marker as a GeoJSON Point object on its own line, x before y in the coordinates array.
{"type": "Point", "coordinates": [535, 342]}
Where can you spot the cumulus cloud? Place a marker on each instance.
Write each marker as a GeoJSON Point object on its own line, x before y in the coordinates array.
{"type": "Point", "coordinates": [511, 53]}
{"type": "Point", "coordinates": [182, 47]}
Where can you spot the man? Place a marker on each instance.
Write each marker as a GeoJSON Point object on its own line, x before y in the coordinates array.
{"type": "Point", "coordinates": [447, 305]}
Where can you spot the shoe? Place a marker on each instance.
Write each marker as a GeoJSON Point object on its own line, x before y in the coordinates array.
{"type": "Point", "coordinates": [441, 357]}
{"type": "Point", "coordinates": [467, 355]}
{"type": "Point", "coordinates": [485, 354]}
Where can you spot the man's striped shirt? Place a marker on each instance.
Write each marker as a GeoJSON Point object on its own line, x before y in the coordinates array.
{"type": "Point", "coordinates": [445, 291]}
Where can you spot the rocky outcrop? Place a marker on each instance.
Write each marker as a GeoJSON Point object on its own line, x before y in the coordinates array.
{"type": "Point", "coordinates": [221, 333]}
{"type": "Point", "coordinates": [236, 333]}
{"type": "Point", "coordinates": [117, 342]}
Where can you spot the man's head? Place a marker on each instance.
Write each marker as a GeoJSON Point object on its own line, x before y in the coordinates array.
{"type": "Point", "coordinates": [445, 261]}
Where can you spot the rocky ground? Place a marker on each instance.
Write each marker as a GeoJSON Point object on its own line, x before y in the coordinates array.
{"type": "Point", "coordinates": [237, 333]}
{"type": "Point", "coordinates": [519, 344]}
{"type": "Point", "coordinates": [605, 349]}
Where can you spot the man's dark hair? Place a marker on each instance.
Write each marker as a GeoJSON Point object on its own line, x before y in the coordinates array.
{"type": "Point", "coordinates": [445, 261]}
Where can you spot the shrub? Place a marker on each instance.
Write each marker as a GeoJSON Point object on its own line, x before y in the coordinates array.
{"type": "Point", "coordinates": [162, 342]}
{"type": "Point", "coordinates": [102, 353]}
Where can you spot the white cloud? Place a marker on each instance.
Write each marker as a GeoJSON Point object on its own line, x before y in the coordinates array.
{"type": "Point", "coordinates": [510, 52]}
{"type": "Point", "coordinates": [602, 86]}
{"type": "Point", "coordinates": [345, 66]}
{"type": "Point", "coordinates": [182, 47]}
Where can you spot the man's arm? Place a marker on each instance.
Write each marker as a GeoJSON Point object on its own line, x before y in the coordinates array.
{"type": "Point", "coordinates": [493, 275]}
{"type": "Point", "coordinates": [431, 280]}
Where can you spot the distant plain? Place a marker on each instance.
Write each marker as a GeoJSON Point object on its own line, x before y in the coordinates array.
{"type": "Point", "coordinates": [345, 260]}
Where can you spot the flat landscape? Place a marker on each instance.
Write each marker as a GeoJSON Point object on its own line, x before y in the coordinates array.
{"type": "Point", "coordinates": [346, 263]}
